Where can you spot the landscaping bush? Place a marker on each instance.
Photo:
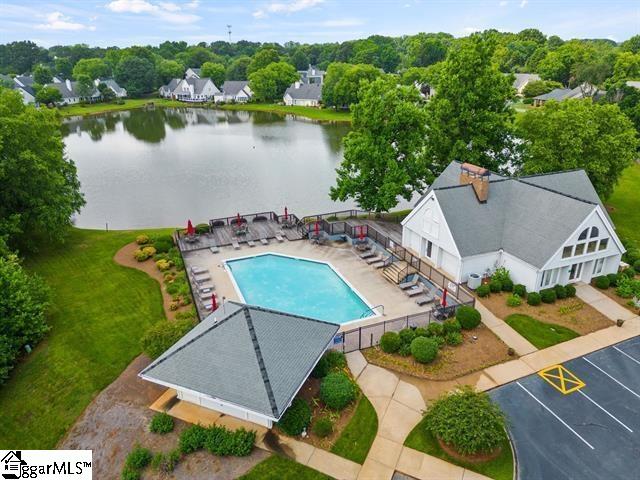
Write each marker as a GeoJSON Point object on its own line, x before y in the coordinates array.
{"type": "Point", "coordinates": [161, 335]}
{"type": "Point", "coordinates": [636, 265]}
{"type": "Point", "coordinates": [571, 291]}
{"type": "Point", "coordinates": [149, 251]}
{"type": "Point", "coordinates": [613, 279]}
{"type": "Point", "coordinates": [139, 255]}
{"type": "Point", "coordinates": [453, 338]}
{"type": "Point", "coordinates": [483, 291]}
{"type": "Point", "coordinates": [323, 427]}
{"type": "Point", "coordinates": [130, 474]}
{"type": "Point", "coordinates": [628, 288]}
{"type": "Point", "coordinates": [138, 458]}
{"type": "Point", "coordinates": [507, 285]}
{"type": "Point", "coordinates": [501, 274]}
{"type": "Point", "coordinates": [142, 239]}
{"type": "Point", "coordinates": [602, 282]}
{"type": "Point", "coordinates": [628, 272]}
{"type": "Point", "coordinates": [435, 329]}
{"type": "Point", "coordinates": [520, 290]}
{"type": "Point", "coordinates": [390, 342]}
{"type": "Point", "coordinates": [548, 295]}
{"type": "Point", "coordinates": [495, 286]}
{"type": "Point", "coordinates": [337, 390]}
{"type": "Point", "coordinates": [407, 335]}
{"type": "Point", "coordinates": [534, 299]}
{"type": "Point", "coordinates": [222, 442]}
{"type": "Point", "coordinates": [405, 350]}
{"type": "Point", "coordinates": [296, 418]}
{"type": "Point", "coordinates": [451, 326]}
{"type": "Point", "coordinates": [157, 461]}
{"type": "Point", "coordinates": [468, 317]}
{"type": "Point", "coordinates": [466, 420]}
{"type": "Point", "coordinates": [321, 369]}
{"type": "Point", "coordinates": [161, 423]}
{"type": "Point", "coordinates": [192, 439]}
{"type": "Point", "coordinates": [421, 332]}
{"type": "Point", "coordinates": [514, 300]}
{"type": "Point", "coordinates": [336, 359]}
{"type": "Point", "coordinates": [166, 462]}
{"type": "Point", "coordinates": [163, 243]}
{"type": "Point", "coordinates": [202, 228]}
{"type": "Point", "coordinates": [424, 349]}
{"type": "Point", "coordinates": [163, 265]}
{"type": "Point", "coordinates": [561, 292]}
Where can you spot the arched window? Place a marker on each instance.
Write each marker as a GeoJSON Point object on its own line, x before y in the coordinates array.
{"type": "Point", "coordinates": [583, 235]}
{"type": "Point", "coordinates": [594, 232]}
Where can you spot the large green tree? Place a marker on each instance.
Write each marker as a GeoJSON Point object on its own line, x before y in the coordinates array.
{"type": "Point", "coordinates": [384, 153]}
{"type": "Point", "coordinates": [42, 74]}
{"type": "Point", "coordinates": [92, 67]}
{"type": "Point", "coordinates": [136, 74]}
{"type": "Point", "coordinates": [216, 71]}
{"type": "Point", "coordinates": [342, 83]}
{"type": "Point", "coordinates": [469, 118]}
{"type": "Point", "coordinates": [426, 49]}
{"type": "Point", "coordinates": [577, 134]}
{"type": "Point", "coordinates": [263, 58]}
{"type": "Point", "coordinates": [237, 70]}
{"type": "Point", "coordinates": [64, 67]}
{"type": "Point", "coordinates": [269, 83]}
{"type": "Point", "coordinates": [168, 70]}
{"type": "Point", "coordinates": [40, 188]}
{"type": "Point", "coordinates": [84, 86]}
{"type": "Point", "coordinates": [48, 95]}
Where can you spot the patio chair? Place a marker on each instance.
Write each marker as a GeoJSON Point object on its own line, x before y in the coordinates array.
{"type": "Point", "coordinates": [375, 259]}
{"type": "Point", "coordinates": [379, 264]}
{"type": "Point", "coordinates": [235, 244]}
{"type": "Point", "coordinates": [264, 241]}
{"type": "Point", "coordinates": [363, 246]}
{"type": "Point", "coordinates": [201, 278]}
{"type": "Point", "coordinates": [417, 290]}
{"type": "Point", "coordinates": [215, 249]}
{"type": "Point", "coordinates": [207, 287]}
{"type": "Point", "coordinates": [197, 270]}
{"type": "Point", "coordinates": [425, 299]}
{"type": "Point", "coordinates": [367, 254]}
{"type": "Point", "coordinates": [410, 284]}
{"type": "Point", "coordinates": [251, 243]}
{"type": "Point", "coordinates": [279, 237]}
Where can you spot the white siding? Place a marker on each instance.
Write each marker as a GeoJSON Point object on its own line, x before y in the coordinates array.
{"type": "Point", "coordinates": [477, 264]}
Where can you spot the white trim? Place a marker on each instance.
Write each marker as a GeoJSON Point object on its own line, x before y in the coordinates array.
{"type": "Point", "coordinates": [346, 282]}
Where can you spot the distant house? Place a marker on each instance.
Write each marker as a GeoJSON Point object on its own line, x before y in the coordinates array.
{"type": "Point", "coordinates": [235, 91]}
{"type": "Point", "coordinates": [193, 89]}
{"type": "Point", "coordinates": [118, 91]}
{"type": "Point", "coordinates": [522, 80]}
{"type": "Point", "coordinates": [23, 80]}
{"type": "Point", "coordinates": [24, 89]}
{"type": "Point", "coordinates": [303, 94]}
{"type": "Point", "coordinates": [633, 84]}
{"type": "Point", "coordinates": [192, 73]}
{"type": "Point", "coordinates": [312, 75]}
{"type": "Point", "coordinates": [166, 91]}
{"type": "Point", "coordinates": [70, 95]}
{"type": "Point", "coordinates": [585, 90]}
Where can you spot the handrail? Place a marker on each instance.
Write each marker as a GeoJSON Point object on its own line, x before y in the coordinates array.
{"type": "Point", "coordinates": [373, 310]}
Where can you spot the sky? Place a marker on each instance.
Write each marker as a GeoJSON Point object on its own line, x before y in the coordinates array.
{"type": "Point", "coordinates": [150, 22]}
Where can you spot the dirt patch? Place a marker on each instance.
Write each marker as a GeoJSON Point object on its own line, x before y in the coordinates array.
{"type": "Point", "coordinates": [480, 349]}
{"type": "Point", "coordinates": [611, 293]}
{"type": "Point", "coordinates": [477, 458]}
{"type": "Point", "coordinates": [579, 316]}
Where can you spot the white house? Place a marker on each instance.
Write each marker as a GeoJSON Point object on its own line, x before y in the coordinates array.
{"type": "Point", "coordinates": [192, 73]}
{"type": "Point", "coordinates": [235, 91]}
{"type": "Point", "coordinates": [70, 95]}
{"type": "Point", "coordinates": [304, 94]}
{"type": "Point", "coordinates": [312, 75]}
{"type": "Point", "coordinates": [521, 80]}
{"type": "Point", "coordinates": [545, 229]}
{"type": "Point", "coordinates": [244, 361]}
{"type": "Point", "coordinates": [194, 89]}
{"type": "Point", "coordinates": [166, 91]}
{"type": "Point", "coordinates": [117, 90]}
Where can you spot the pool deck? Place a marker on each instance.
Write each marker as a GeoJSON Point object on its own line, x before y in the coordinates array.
{"type": "Point", "coordinates": [368, 281]}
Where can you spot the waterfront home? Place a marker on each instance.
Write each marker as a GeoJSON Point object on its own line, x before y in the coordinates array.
{"type": "Point", "coordinates": [118, 91]}
{"type": "Point", "coordinates": [545, 229]}
{"type": "Point", "coordinates": [522, 80]}
{"type": "Point", "coordinates": [303, 94]}
{"type": "Point", "coordinates": [235, 91]}
{"type": "Point", "coordinates": [194, 89]}
{"type": "Point", "coordinates": [580, 92]}
{"type": "Point", "coordinates": [70, 95]}
{"type": "Point", "coordinates": [192, 73]}
{"type": "Point", "coordinates": [312, 75]}
{"type": "Point", "coordinates": [166, 91]}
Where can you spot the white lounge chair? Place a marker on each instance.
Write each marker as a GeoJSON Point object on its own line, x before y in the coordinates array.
{"type": "Point", "coordinates": [279, 238]}
{"type": "Point", "coordinates": [375, 259]}
{"type": "Point", "coordinates": [197, 270]}
{"type": "Point", "coordinates": [201, 278]}
{"type": "Point", "coordinates": [367, 254]}
{"type": "Point", "coordinates": [214, 249]}
{"type": "Point", "coordinates": [207, 287]}
{"type": "Point", "coordinates": [264, 241]}
{"type": "Point", "coordinates": [235, 244]}
{"type": "Point", "coordinates": [251, 243]}
{"type": "Point", "coordinates": [412, 292]}
{"type": "Point", "coordinates": [425, 299]}
{"type": "Point", "coordinates": [409, 284]}
{"type": "Point", "coordinates": [379, 264]}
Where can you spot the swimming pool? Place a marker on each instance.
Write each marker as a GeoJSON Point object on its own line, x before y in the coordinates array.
{"type": "Point", "coordinates": [296, 285]}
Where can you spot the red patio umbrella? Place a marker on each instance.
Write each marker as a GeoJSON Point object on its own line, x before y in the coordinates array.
{"type": "Point", "coordinates": [444, 297]}
{"type": "Point", "coordinates": [238, 219]}
{"type": "Point", "coordinates": [286, 213]}
{"type": "Point", "coordinates": [190, 229]}
{"type": "Point", "coordinates": [317, 228]}
{"type": "Point", "coordinates": [214, 303]}
{"type": "Point", "coordinates": [361, 235]}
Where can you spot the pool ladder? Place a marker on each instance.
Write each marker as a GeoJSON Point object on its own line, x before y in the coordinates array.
{"type": "Point", "coordinates": [373, 310]}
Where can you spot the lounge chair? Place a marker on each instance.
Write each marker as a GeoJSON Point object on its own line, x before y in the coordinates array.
{"type": "Point", "coordinates": [409, 284]}
{"type": "Point", "coordinates": [412, 292]}
{"type": "Point", "coordinates": [236, 245]}
{"type": "Point", "coordinates": [251, 243]}
{"type": "Point", "coordinates": [207, 287]}
{"type": "Point", "coordinates": [425, 299]}
{"type": "Point", "coordinates": [264, 241]}
{"type": "Point", "coordinates": [214, 249]}
{"type": "Point", "coordinates": [201, 278]}
{"type": "Point", "coordinates": [375, 259]}
{"type": "Point", "coordinates": [367, 254]}
{"type": "Point", "coordinates": [279, 237]}
{"type": "Point", "coordinates": [379, 264]}
{"type": "Point", "coordinates": [363, 246]}
{"type": "Point", "coordinates": [196, 270]}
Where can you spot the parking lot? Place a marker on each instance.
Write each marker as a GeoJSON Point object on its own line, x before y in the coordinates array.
{"type": "Point", "coordinates": [580, 420]}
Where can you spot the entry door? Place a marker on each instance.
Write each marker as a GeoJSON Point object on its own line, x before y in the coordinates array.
{"type": "Point", "coordinates": [575, 271]}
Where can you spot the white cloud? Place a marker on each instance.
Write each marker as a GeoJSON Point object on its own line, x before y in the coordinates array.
{"type": "Point", "coordinates": [469, 30]}
{"type": "Point", "coordinates": [167, 11]}
{"type": "Point", "coordinates": [193, 4]}
{"type": "Point", "coordinates": [57, 21]}
{"type": "Point", "coordinates": [523, 3]}
{"type": "Point", "coordinates": [503, 3]}
{"type": "Point", "coordinates": [132, 6]}
{"type": "Point", "coordinates": [290, 7]}
{"type": "Point", "coordinates": [169, 6]}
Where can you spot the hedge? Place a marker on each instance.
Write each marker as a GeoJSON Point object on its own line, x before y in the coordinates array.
{"type": "Point", "coordinates": [602, 282]}
{"type": "Point", "coordinates": [520, 290]}
{"type": "Point", "coordinates": [468, 317]}
{"type": "Point", "coordinates": [323, 427]}
{"type": "Point", "coordinates": [561, 291]}
{"type": "Point", "coordinates": [483, 291]}
{"type": "Point", "coordinates": [161, 423]}
{"type": "Point", "coordinates": [390, 342]}
{"type": "Point", "coordinates": [424, 349]}
{"type": "Point", "coordinates": [296, 418]}
{"type": "Point", "coordinates": [507, 285]}
{"type": "Point", "coordinates": [548, 295]}
{"type": "Point", "coordinates": [534, 299]}
{"type": "Point", "coordinates": [451, 326]}
{"type": "Point", "coordinates": [337, 390]}
{"type": "Point", "coordinates": [217, 440]}
{"type": "Point", "coordinates": [571, 291]}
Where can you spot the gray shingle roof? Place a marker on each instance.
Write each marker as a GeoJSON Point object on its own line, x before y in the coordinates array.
{"type": "Point", "coordinates": [233, 87]}
{"type": "Point", "coordinates": [111, 83]}
{"type": "Point", "coordinates": [171, 86]}
{"type": "Point", "coordinates": [249, 356]}
{"type": "Point", "coordinates": [555, 94]}
{"type": "Point", "coordinates": [521, 79]}
{"type": "Point", "coordinates": [305, 91]}
{"type": "Point", "coordinates": [24, 80]}
{"type": "Point", "coordinates": [198, 84]}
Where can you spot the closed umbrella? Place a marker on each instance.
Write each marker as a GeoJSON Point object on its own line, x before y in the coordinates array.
{"type": "Point", "coordinates": [214, 303]}
{"type": "Point", "coordinates": [361, 232]}
{"type": "Point", "coordinates": [190, 229]}
{"type": "Point", "coordinates": [317, 228]}
{"type": "Point", "coordinates": [286, 213]}
{"type": "Point", "coordinates": [444, 297]}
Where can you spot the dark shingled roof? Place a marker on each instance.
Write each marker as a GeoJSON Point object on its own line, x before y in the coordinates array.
{"type": "Point", "coordinates": [305, 91]}
{"type": "Point", "coordinates": [233, 87]}
{"type": "Point", "coordinates": [249, 356]}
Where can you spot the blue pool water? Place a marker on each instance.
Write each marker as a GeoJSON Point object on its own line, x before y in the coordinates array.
{"type": "Point", "coordinates": [302, 287]}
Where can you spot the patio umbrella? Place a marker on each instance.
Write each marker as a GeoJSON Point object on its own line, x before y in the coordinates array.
{"type": "Point", "coordinates": [238, 219]}
{"type": "Point", "coordinates": [286, 213]}
{"type": "Point", "coordinates": [190, 229]}
{"type": "Point", "coordinates": [444, 297]}
{"type": "Point", "coordinates": [317, 228]}
{"type": "Point", "coordinates": [361, 235]}
{"type": "Point", "coordinates": [214, 303]}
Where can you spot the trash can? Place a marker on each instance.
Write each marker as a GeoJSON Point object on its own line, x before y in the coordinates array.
{"type": "Point", "coordinates": [474, 281]}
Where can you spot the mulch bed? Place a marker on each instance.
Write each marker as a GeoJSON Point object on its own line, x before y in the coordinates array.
{"type": "Point", "coordinates": [611, 293]}
{"type": "Point", "coordinates": [476, 458]}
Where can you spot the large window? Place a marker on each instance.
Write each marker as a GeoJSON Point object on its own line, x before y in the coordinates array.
{"type": "Point", "coordinates": [592, 246]}
{"type": "Point", "coordinates": [583, 234]}
{"type": "Point", "coordinates": [550, 277]}
{"type": "Point", "coordinates": [603, 244]}
{"type": "Point", "coordinates": [594, 232]}
{"type": "Point", "coordinates": [567, 251]}
{"type": "Point", "coordinates": [597, 266]}
{"type": "Point", "coordinates": [579, 249]}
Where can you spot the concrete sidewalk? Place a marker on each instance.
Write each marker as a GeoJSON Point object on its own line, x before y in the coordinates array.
{"type": "Point", "coordinates": [605, 305]}
{"type": "Point", "coordinates": [508, 335]}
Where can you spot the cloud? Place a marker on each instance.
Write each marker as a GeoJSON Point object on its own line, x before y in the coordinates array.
{"type": "Point", "coordinates": [192, 5]}
{"type": "Point", "coordinates": [169, 6]}
{"type": "Point", "coordinates": [523, 3]}
{"type": "Point", "coordinates": [57, 21]}
{"type": "Point", "coordinates": [131, 6]}
{"type": "Point", "coordinates": [503, 3]}
{"type": "Point", "coordinates": [470, 30]}
{"type": "Point", "coordinates": [290, 7]}
{"type": "Point", "coordinates": [167, 11]}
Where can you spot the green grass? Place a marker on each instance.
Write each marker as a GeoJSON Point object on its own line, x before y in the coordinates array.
{"type": "Point", "coordinates": [357, 437]}
{"type": "Point", "coordinates": [625, 201]}
{"type": "Point", "coordinates": [98, 314]}
{"type": "Point", "coordinates": [540, 334]}
{"type": "Point", "coordinates": [130, 103]}
{"type": "Point", "coordinates": [500, 468]}
{"type": "Point", "coordinates": [324, 114]}
{"type": "Point", "coordinates": [280, 468]}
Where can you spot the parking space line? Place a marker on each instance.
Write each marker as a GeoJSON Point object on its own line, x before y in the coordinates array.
{"type": "Point", "coordinates": [556, 416]}
{"type": "Point", "coordinates": [603, 409]}
{"type": "Point", "coordinates": [612, 378]}
{"type": "Point", "coordinates": [627, 355]}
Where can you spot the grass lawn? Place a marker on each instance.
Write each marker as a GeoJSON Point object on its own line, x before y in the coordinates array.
{"type": "Point", "coordinates": [280, 468]}
{"type": "Point", "coordinates": [324, 114]}
{"type": "Point", "coordinates": [357, 437]}
{"type": "Point", "coordinates": [99, 312]}
{"type": "Point", "coordinates": [625, 201]}
{"type": "Point", "coordinates": [540, 334]}
{"type": "Point", "coordinates": [500, 468]}
{"type": "Point", "coordinates": [91, 109]}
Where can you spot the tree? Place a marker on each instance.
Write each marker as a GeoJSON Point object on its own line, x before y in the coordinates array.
{"type": "Point", "coordinates": [195, 56]}
{"type": "Point", "coordinates": [631, 45]}
{"type": "Point", "coordinates": [425, 49]}
{"type": "Point", "coordinates": [592, 73]}
{"type": "Point", "coordinates": [384, 153]}
{"type": "Point", "coordinates": [343, 81]}
{"type": "Point", "coordinates": [168, 70]}
{"type": "Point", "coordinates": [532, 35]}
{"type": "Point", "coordinates": [64, 67]}
{"type": "Point", "coordinates": [539, 87]}
{"type": "Point", "coordinates": [577, 134]}
{"type": "Point", "coordinates": [261, 59]}
{"type": "Point", "coordinates": [42, 74]}
{"type": "Point", "coordinates": [214, 70]}
{"type": "Point", "coordinates": [91, 67]}
{"type": "Point", "coordinates": [300, 59]}
{"type": "Point", "coordinates": [269, 83]}
{"type": "Point", "coordinates": [136, 74]}
{"type": "Point", "coordinates": [627, 66]}
{"type": "Point", "coordinates": [238, 68]}
{"type": "Point", "coordinates": [84, 86]}
{"type": "Point", "coordinates": [20, 57]}
{"type": "Point", "coordinates": [469, 118]}
{"type": "Point", "coordinates": [48, 95]}
{"type": "Point", "coordinates": [40, 188]}
{"type": "Point", "coordinates": [105, 92]}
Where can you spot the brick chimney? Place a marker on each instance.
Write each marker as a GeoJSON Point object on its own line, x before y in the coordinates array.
{"type": "Point", "coordinates": [478, 177]}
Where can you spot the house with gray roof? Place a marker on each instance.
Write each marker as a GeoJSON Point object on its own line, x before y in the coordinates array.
{"type": "Point", "coordinates": [70, 95]}
{"type": "Point", "coordinates": [312, 75]}
{"type": "Point", "coordinates": [303, 94]}
{"type": "Point", "coordinates": [580, 92]}
{"type": "Point", "coordinates": [521, 80]}
{"type": "Point", "coordinates": [166, 91]}
{"type": "Point", "coordinates": [194, 89]}
{"type": "Point", "coordinates": [545, 229]}
{"type": "Point", "coordinates": [235, 91]}
{"type": "Point", "coordinates": [244, 361]}
{"type": "Point", "coordinates": [192, 73]}
{"type": "Point", "coordinates": [117, 90]}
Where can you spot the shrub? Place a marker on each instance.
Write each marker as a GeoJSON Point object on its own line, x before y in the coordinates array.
{"type": "Point", "coordinates": [202, 228]}
{"type": "Point", "coordinates": [296, 418]}
{"type": "Point", "coordinates": [405, 350]}
{"type": "Point", "coordinates": [435, 329]}
{"type": "Point", "coordinates": [507, 285]}
{"type": "Point", "coordinates": [424, 349]}
{"type": "Point", "coordinates": [166, 462]}
{"type": "Point", "coordinates": [613, 279]}
{"type": "Point", "coordinates": [321, 369]}
{"type": "Point", "coordinates": [172, 460]}
{"type": "Point", "coordinates": [495, 286]}
{"type": "Point", "coordinates": [501, 274]}
{"type": "Point", "coordinates": [602, 282]}
{"type": "Point", "coordinates": [534, 299]}
{"type": "Point", "coordinates": [548, 295]}
{"type": "Point", "coordinates": [561, 292]}
{"type": "Point", "coordinates": [192, 439]}
{"type": "Point", "coordinates": [139, 255]}
{"type": "Point", "coordinates": [163, 244]}
{"type": "Point", "coordinates": [161, 423]}
{"type": "Point", "coordinates": [161, 335]}
{"type": "Point", "coordinates": [628, 287]}
{"type": "Point", "coordinates": [323, 427]}
{"type": "Point", "coordinates": [336, 359]}
{"type": "Point", "coordinates": [337, 390]}
{"type": "Point", "coordinates": [138, 458]}
{"type": "Point", "coordinates": [468, 317]}
{"type": "Point", "coordinates": [142, 239]}
{"type": "Point", "coordinates": [421, 332]}
{"type": "Point", "coordinates": [571, 291]}
{"type": "Point", "coordinates": [149, 251]}
{"type": "Point", "coordinates": [467, 420]}
{"type": "Point", "coordinates": [407, 335]}
{"type": "Point", "coordinates": [390, 342]}
{"type": "Point", "coordinates": [483, 291]}
{"type": "Point", "coordinates": [628, 272]}
{"type": "Point", "coordinates": [451, 326]}
{"type": "Point", "coordinates": [130, 474]}
{"type": "Point", "coordinates": [163, 265]}
{"type": "Point", "coordinates": [636, 265]}
{"type": "Point", "coordinates": [222, 442]}
{"type": "Point", "coordinates": [520, 290]}
{"type": "Point", "coordinates": [514, 300]}
{"type": "Point", "coordinates": [157, 461]}
{"type": "Point", "coordinates": [453, 338]}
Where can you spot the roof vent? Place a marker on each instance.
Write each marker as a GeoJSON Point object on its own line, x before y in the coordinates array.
{"type": "Point", "coordinates": [478, 177]}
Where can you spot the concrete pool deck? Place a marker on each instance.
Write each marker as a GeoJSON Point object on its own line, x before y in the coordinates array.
{"type": "Point", "coordinates": [368, 281]}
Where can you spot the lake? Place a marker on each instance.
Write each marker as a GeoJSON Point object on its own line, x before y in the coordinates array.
{"type": "Point", "coordinates": [159, 167]}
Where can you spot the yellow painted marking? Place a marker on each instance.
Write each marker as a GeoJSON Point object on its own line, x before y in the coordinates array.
{"type": "Point", "coordinates": [561, 379]}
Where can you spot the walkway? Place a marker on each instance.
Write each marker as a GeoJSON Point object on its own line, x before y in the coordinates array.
{"type": "Point", "coordinates": [603, 303]}
{"type": "Point", "coordinates": [508, 335]}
